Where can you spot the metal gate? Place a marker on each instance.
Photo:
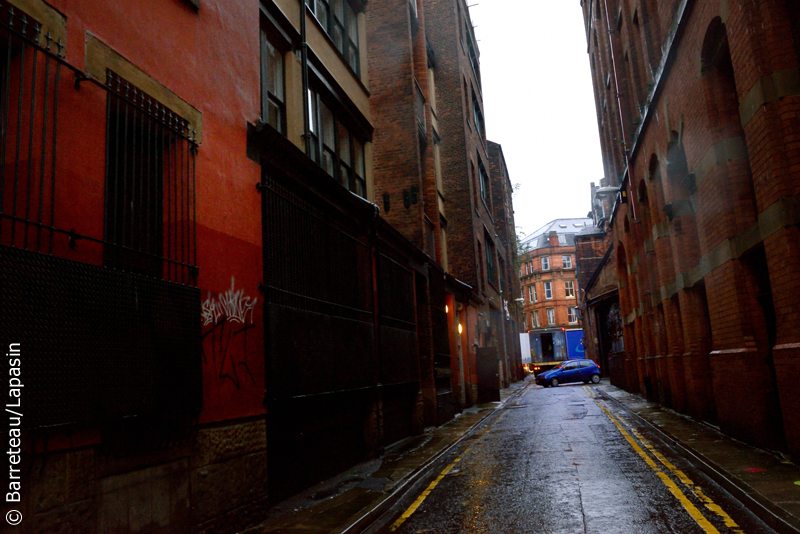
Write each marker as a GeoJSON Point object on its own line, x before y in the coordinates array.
{"type": "Point", "coordinates": [340, 335]}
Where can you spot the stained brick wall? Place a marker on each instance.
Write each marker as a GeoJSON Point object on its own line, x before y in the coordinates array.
{"type": "Point", "coordinates": [708, 276]}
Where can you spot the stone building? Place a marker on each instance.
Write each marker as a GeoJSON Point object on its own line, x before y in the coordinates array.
{"type": "Point", "coordinates": [696, 108]}
{"type": "Point", "coordinates": [550, 287]}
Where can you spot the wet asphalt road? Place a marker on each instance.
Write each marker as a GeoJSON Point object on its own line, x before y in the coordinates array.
{"type": "Point", "coordinates": [565, 460]}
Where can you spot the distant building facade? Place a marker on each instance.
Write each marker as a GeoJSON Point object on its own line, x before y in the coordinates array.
{"type": "Point", "coordinates": [550, 287]}
{"type": "Point", "coordinates": [696, 102]}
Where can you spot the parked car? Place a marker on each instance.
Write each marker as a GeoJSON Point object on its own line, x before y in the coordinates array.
{"type": "Point", "coordinates": [570, 371]}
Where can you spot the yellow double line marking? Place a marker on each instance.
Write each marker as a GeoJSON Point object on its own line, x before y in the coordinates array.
{"type": "Point", "coordinates": [424, 495]}
{"type": "Point", "coordinates": [671, 485]}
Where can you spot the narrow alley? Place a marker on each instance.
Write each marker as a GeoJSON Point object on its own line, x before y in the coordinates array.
{"type": "Point", "coordinates": [566, 460]}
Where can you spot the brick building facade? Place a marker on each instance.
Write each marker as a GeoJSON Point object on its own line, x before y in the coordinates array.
{"type": "Point", "coordinates": [225, 292]}
{"type": "Point", "coordinates": [550, 288]}
{"type": "Point", "coordinates": [696, 107]}
{"type": "Point", "coordinates": [476, 252]}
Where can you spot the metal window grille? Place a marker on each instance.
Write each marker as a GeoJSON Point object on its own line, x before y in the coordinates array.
{"type": "Point", "coordinates": [149, 223]}
{"type": "Point", "coordinates": [136, 353]}
{"type": "Point", "coordinates": [150, 175]}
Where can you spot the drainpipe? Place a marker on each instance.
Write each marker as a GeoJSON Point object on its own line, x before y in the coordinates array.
{"type": "Point", "coordinates": [304, 68]}
{"type": "Point", "coordinates": [619, 102]}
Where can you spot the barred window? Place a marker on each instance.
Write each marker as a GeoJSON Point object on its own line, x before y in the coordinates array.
{"type": "Point", "coordinates": [150, 173]}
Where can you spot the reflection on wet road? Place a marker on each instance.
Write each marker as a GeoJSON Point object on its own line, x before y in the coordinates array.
{"type": "Point", "coordinates": [565, 460]}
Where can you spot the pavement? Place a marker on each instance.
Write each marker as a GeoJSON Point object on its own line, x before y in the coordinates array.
{"type": "Point", "coordinates": [766, 482]}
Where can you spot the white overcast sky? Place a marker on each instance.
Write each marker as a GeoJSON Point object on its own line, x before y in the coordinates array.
{"type": "Point", "coordinates": [539, 104]}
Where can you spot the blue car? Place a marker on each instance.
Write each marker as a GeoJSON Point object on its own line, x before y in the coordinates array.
{"type": "Point", "coordinates": [570, 371]}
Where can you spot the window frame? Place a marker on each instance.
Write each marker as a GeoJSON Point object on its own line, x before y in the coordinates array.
{"type": "Point", "coordinates": [477, 116]}
{"type": "Point", "coordinates": [340, 30]}
{"type": "Point", "coordinates": [566, 261]}
{"type": "Point", "coordinates": [491, 268]}
{"type": "Point", "coordinates": [551, 316]}
{"type": "Point", "coordinates": [483, 181]}
{"type": "Point", "coordinates": [351, 173]}
{"type": "Point", "coordinates": [572, 314]}
{"type": "Point", "coordinates": [269, 39]}
{"type": "Point", "coordinates": [548, 290]}
{"type": "Point", "coordinates": [569, 290]}
{"type": "Point", "coordinates": [545, 263]}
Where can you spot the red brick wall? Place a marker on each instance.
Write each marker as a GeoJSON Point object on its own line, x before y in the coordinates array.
{"type": "Point", "coordinates": [702, 312]}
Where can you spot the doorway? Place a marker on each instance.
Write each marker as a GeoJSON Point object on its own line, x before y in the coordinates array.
{"type": "Point", "coordinates": [547, 348]}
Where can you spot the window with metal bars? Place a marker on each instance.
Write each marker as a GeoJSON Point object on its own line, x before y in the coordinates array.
{"type": "Point", "coordinates": [334, 147]}
{"type": "Point", "coordinates": [340, 20]}
{"type": "Point", "coordinates": [150, 170]}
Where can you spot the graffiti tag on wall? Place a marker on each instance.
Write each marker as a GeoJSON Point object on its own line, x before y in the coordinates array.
{"type": "Point", "coordinates": [226, 321]}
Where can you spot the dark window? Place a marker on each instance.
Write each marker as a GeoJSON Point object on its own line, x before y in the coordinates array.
{"type": "Point", "coordinates": [334, 148]}
{"type": "Point", "coordinates": [340, 21]}
{"type": "Point", "coordinates": [149, 185]}
{"type": "Point", "coordinates": [430, 239]}
{"type": "Point", "coordinates": [473, 55]}
{"type": "Point", "coordinates": [491, 271]}
{"type": "Point", "coordinates": [477, 116]}
{"type": "Point", "coordinates": [273, 102]}
{"type": "Point", "coordinates": [484, 182]}
{"type": "Point", "coordinates": [419, 105]}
